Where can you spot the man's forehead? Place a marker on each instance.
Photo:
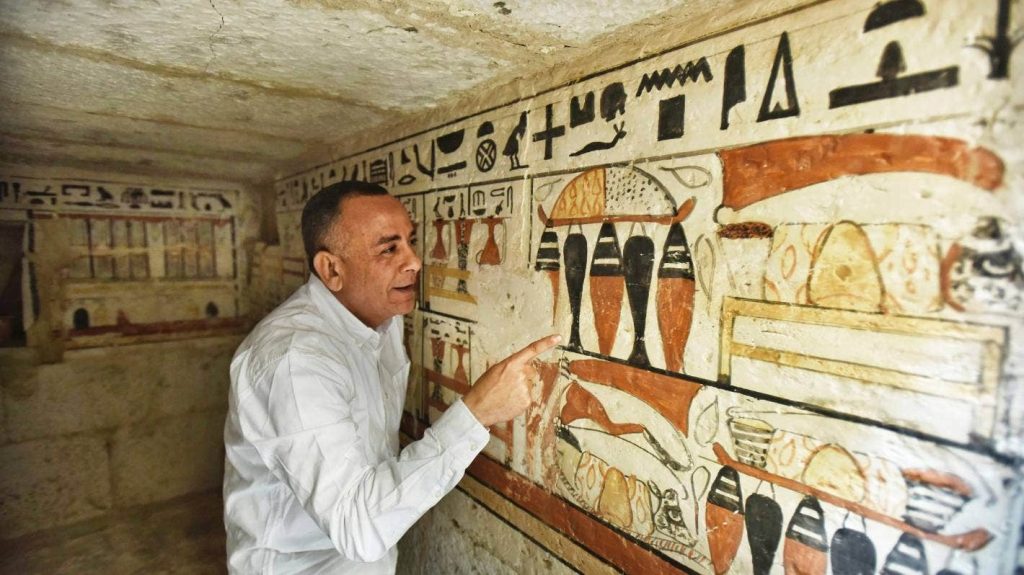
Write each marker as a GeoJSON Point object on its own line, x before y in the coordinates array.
{"type": "Point", "coordinates": [374, 216]}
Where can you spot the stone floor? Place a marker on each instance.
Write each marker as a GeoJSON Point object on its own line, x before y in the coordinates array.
{"type": "Point", "coordinates": [181, 536]}
{"type": "Point", "coordinates": [185, 536]}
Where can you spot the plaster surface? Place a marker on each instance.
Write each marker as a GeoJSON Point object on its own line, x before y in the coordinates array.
{"type": "Point", "coordinates": [242, 91]}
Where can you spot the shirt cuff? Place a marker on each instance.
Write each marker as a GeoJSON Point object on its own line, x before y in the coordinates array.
{"type": "Point", "coordinates": [457, 425]}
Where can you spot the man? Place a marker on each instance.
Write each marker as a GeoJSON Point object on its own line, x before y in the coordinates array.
{"type": "Point", "coordinates": [314, 480]}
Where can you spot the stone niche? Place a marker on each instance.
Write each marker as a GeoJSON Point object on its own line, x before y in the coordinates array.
{"type": "Point", "coordinates": [785, 264]}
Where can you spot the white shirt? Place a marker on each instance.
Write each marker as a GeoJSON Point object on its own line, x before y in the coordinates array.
{"type": "Point", "coordinates": [314, 481]}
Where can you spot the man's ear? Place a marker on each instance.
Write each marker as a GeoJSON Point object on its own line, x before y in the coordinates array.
{"type": "Point", "coordinates": [328, 267]}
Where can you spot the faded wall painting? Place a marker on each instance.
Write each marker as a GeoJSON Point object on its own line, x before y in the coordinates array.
{"type": "Point", "coordinates": [105, 263]}
{"type": "Point", "coordinates": [785, 262]}
{"type": "Point", "coordinates": [467, 233]}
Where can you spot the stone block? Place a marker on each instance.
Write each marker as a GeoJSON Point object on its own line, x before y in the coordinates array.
{"type": "Point", "coordinates": [52, 482]}
{"type": "Point", "coordinates": [438, 547]}
{"type": "Point", "coordinates": [194, 376]}
{"type": "Point", "coordinates": [80, 394]}
{"type": "Point", "coordinates": [165, 458]}
{"type": "Point", "coordinates": [112, 387]}
{"type": "Point", "coordinates": [461, 536]}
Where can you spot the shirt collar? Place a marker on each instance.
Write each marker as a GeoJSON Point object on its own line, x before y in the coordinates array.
{"type": "Point", "coordinates": [343, 319]}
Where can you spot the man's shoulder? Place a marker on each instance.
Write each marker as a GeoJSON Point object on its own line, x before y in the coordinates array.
{"type": "Point", "coordinates": [296, 328]}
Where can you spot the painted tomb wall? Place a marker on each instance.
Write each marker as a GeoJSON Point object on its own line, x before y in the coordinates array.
{"type": "Point", "coordinates": [786, 264]}
{"type": "Point", "coordinates": [122, 305]}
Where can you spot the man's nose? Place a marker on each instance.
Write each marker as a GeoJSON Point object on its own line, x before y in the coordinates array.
{"type": "Point", "coordinates": [415, 264]}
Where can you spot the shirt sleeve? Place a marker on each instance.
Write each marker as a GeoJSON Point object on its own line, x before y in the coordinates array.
{"type": "Point", "coordinates": [311, 438]}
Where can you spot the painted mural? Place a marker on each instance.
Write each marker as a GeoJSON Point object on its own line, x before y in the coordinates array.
{"type": "Point", "coordinates": [788, 276]}
{"type": "Point", "coordinates": [171, 254]}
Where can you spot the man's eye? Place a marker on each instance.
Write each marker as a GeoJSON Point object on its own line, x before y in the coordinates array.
{"type": "Point", "coordinates": [389, 250]}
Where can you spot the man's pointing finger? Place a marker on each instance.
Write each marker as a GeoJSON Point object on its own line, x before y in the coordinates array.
{"type": "Point", "coordinates": [536, 348]}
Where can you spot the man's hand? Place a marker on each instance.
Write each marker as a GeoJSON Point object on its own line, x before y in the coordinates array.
{"type": "Point", "coordinates": [503, 391]}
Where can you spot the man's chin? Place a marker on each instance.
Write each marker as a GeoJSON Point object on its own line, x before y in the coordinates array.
{"type": "Point", "coordinates": [403, 307]}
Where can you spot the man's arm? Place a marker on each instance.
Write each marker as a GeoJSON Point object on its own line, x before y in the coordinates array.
{"type": "Point", "coordinates": [310, 438]}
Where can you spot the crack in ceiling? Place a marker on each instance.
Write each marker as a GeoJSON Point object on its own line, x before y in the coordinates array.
{"type": "Point", "coordinates": [213, 53]}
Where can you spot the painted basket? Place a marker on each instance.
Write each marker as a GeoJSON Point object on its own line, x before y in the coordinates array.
{"type": "Point", "coordinates": [933, 498]}
{"type": "Point", "coordinates": [750, 439]}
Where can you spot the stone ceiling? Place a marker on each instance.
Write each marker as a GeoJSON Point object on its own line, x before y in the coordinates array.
{"type": "Point", "coordinates": [238, 90]}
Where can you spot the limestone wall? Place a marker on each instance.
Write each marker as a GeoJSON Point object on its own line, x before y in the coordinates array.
{"type": "Point", "coordinates": [115, 364]}
{"type": "Point", "coordinates": [786, 262]}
